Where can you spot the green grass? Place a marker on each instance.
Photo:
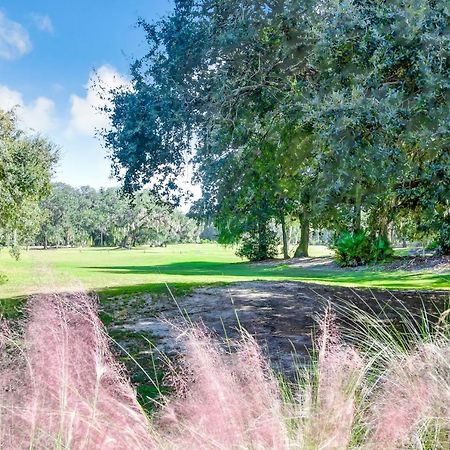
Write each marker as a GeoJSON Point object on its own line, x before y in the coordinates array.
{"type": "Point", "coordinates": [183, 267]}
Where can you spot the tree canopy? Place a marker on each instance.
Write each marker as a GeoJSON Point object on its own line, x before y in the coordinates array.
{"type": "Point", "coordinates": [335, 114]}
{"type": "Point", "coordinates": [105, 217]}
{"type": "Point", "coordinates": [26, 167]}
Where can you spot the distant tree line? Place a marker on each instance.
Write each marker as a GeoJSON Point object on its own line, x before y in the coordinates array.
{"type": "Point", "coordinates": [331, 114]}
{"type": "Point", "coordinates": [34, 211]}
{"type": "Point", "coordinates": [89, 217]}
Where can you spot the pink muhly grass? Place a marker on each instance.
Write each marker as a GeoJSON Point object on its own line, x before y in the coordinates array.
{"type": "Point", "coordinates": [229, 400]}
{"type": "Point", "coordinates": [330, 399]}
{"type": "Point", "coordinates": [66, 390]}
{"type": "Point", "coordinates": [414, 398]}
{"type": "Point", "coordinates": [60, 387]}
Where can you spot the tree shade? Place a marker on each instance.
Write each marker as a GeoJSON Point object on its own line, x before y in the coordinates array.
{"type": "Point", "coordinates": [334, 114]}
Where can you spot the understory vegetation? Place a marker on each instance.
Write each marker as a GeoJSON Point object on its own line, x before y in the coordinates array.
{"type": "Point", "coordinates": [359, 248]}
{"type": "Point", "coordinates": [373, 384]}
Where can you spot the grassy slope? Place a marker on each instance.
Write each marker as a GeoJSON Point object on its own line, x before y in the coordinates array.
{"type": "Point", "coordinates": [112, 271]}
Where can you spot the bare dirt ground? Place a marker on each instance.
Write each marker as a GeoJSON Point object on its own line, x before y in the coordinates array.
{"type": "Point", "coordinates": [436, 263]}
{"type": "Point", "coordinates": [281, 315]}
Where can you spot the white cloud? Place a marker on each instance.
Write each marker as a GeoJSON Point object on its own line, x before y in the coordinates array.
{"type": "Point", "coordinates": [72, 127]}
{"type": "Point", "coordinates": [86, 117]}
{"type": "Point", "coordinates": [14, 39]}
{"type": "Point", "coordinates": [38, 115]}
{"type": "Point", "coordinates": [82, 158]}
{"type": "Point", "coordinates": [9, 98]}
{"type": "Point", "coordinates": [43, 23]}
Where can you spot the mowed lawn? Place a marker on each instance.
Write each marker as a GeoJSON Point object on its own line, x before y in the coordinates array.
{"type": "Point", "coordinates": [181, 267]}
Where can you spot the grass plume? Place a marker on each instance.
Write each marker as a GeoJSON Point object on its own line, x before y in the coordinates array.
{"type": "Point", "coordinates": [371, 385]}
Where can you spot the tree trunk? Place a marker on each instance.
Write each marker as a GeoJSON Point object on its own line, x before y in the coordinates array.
{"type": "Point", "coordinates": [384, 230]}
{"type": "Point", "coordinates": [285, 238]}
{"type": "Point", "coordinates": [358, 205]}
{"type": "Point", "coordinates": [302, 249]}
{"type": "Point", "coordinates": [101, 238]}
{"type": "Point", "coordinates": [45, 242]}
{"type": "Point", "coordinates": [262, 242]}
{"type": "Point", "coordinates": [391, 233]}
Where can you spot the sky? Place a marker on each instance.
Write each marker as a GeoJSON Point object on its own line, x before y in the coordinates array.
{"type": "Point", "coordinates": [50, 53]}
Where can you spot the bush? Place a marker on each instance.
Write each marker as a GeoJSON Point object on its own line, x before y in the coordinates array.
{"type": "Point", "coordinates": [258, 247]}
{"type": "Point", "coordinates": [3, 279]}
{"type": "Point", "coordinates": [381, 250]}
{"type": "Point", "coordinates": [355, 249]}
{"type": "Point", "coordinates": [433, 246]}
{"type": "Point", "coordinates": [444, 239]}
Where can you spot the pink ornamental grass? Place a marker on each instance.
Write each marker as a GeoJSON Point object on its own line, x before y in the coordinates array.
{"type": "Point", "coordinates": [412, 404]}
{"type": "Point", "coordinates": [339, 370]}
{"type": "Point", "coordinates": [60, 387]}
{"type": "Point", "coordinates": [230, 400]}
{"type": "Point", "coordinates": [66, 390]}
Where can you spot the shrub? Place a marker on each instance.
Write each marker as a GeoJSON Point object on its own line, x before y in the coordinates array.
{"type": "Point", "coordinates": [259, 246]}
{"type": "Point", "coordinates": [444, 239]}
{"type": "Point", "coordinates": [3, 278]}
{"type": "Point", "coordinates": [381, 249]}
{"type": "Point", "coordinates": [355, 249]}
{"type": "Point", "coordinates": [433, 246]}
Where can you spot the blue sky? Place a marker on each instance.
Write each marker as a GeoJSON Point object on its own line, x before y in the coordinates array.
{"type": "Point", "coordinates": [49, 50]}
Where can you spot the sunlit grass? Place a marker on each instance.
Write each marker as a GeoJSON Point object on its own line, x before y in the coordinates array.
{"type": "Point", "coordinates": [182, 267]}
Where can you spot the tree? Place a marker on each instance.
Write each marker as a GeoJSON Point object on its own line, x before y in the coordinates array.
{"type": "Point", "coordinates": [376, 104]}
{"type": "Point", "coordinates": [85, 216]}
{"type": "Point", "coordinates": [26, 166]}
{"type": "Point", "coordinates": [334, 113]}
{"type": "Point", "coordinates": [221, 62]}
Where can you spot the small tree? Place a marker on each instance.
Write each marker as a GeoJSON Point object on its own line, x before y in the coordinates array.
{"type": "Point", "coordinates": [26, 166]}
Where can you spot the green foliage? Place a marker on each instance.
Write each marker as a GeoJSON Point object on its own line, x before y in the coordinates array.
{"type": "Point", "coordinates": [355, 249]}
{"type": "Point", "coordinates": [259, 245]}
{"type": "Point", "coordinates": [332, 112]}
{"type": "Point", "coordinates": [432, 246]}
{"type": "Point", "coordinates": [106, 218]}
{"type": "Point", "coordinates": [352, 249]}
{"type": "Point", "coordinates": [249, 202]}
{"type": "Point", "coordinates": [444, 239]}
{"type": "Point", "coordinates": [3, 278]}
{"type": "Point", "coordinates": [381, 249]}
{"type": "Point", "coordinates": [26, 166]}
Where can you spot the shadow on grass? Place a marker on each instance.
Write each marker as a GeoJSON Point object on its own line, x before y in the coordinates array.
{"type": "Point", "coordinates": [207, 273]}
{"type": "Point", "coordinates": [166, 289]}
{"type": "Point", "coordinates": [208, 268]}
{"type": "Point", "coordinates": [353, 278]}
